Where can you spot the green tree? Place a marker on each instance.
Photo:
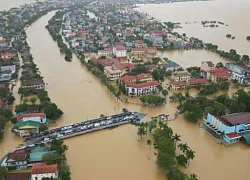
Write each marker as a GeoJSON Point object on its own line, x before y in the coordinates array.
{"type": "Point", "coordinates": [165, 161]}
{"type": "Point", "coordinates": [190, 155]}
{"type": "Point", "coordinates": [21, 108]}
{"type": "Point", "coordinates": [183, 147]}
{"type": "Point", "coordinates": [3, 172]}
{"type": "Point", "coordinates": [33, 100]}
{"type": "Point", "coordinates": [166, 146]}
{"type": "Point", "coordinates": [175, 174]}
{"type": "Point", "coordinates": [141, 130]}
{"type": "Point", "coordinates": [25, 100]}
{"type": "Point", "coordinates": [53, 112]}
{"type": "Point", "coordinates": [164, 92]}
{"type": "Point", "coordinates": [11, 99]}
{"type": "Point", "coordinates": [149, 143]}
{"type": "Point", "coordinates": [182, 160]}
{"type": "Point", "coordinates": [176, 138]}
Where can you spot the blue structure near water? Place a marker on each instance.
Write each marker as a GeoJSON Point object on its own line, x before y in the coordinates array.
{"type": "Point", "coordinates": [231, 127]}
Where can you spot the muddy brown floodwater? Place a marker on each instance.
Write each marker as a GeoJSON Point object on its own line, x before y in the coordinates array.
{"type": "Point", "coordinates": [117, 154]}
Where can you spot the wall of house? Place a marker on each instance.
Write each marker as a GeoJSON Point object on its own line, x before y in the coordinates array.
{"type": "Point", "coordinates": [36, 119]}
{"type": "Point", "coordinates": [219, 125]}
{"type": "Point", "coordinates": [230, 141]}
{"type": "Point", "coordinates": [41, 176]}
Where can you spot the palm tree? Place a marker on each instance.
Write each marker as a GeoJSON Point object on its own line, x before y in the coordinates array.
{"type": "Point", "coordinates": [176, 138]}
{"type": "Point", "coordinates": [141, 130]}
{"type": "Point", "coordinates": [149, 142]}
{"type": "Point", "coordinates": [190, 154]}
{"type": "Point", "coordinates": [183, 147]}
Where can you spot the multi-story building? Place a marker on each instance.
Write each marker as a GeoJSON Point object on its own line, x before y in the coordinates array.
{"type": "Point", "coordinates": [218, 73]}
{"type": "Point", "coordinates": [205, 67]}
{"type": "Point", "coordinates": [44, 172]}
{"type": "Point", "coordinates": [139, 85]}
{"type": "Point", "coordinates": [106, 53]}
{"type": "Point", "coordinates": [239, 73]}
{"type": "Point", "coordinates": [17, 161]}
{"type": "Point", "coordinates": [37, 117]}
{"type": "Point", "coordinates": [231, 128]}
{"type": "Point", "coordinates": [191, 82]}
{"type": "Point", "coordinates": [120, 51]}
{"type": "Point", "coordinates": [141, 52]}
{"type": "Point", "coordinates": [37, 84]}
{"type": "Point", "coordinates": [112, 73]}
{"type": "Point", "coordinates": [180, 76]}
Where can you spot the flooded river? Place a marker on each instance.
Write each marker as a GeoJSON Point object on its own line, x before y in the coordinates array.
{"type": "Point", "coordinates": [7, 4]}
{"type": "Point", "coordinates": [117, 154]}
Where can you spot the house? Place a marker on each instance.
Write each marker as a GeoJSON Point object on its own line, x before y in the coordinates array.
{"type": "Point", "coordinates": [218, 73]}
{"type": "Point", "coordinates": [120, 51]}
{"type": "Point", "coordinates": [232, 127]}
{"type": "Point", "coordinates": [239, 73]}
{"type": "Point", "coordinates": [44, 171]}
{"type": "Point", "coordinates": [170, 66]}
{"type": "Point", "coordinates": [3, 43]}
{"type": "Point", "coordinates": [33, 109]}
{"type": "Point", "coordinates": [11, 68]}
{"type": "Point", "coordinates": [191, 82]}
{"type": "Point", "coordinates": [139, 85]}
{"type": "Point", "coordinates": [141, 52]}
{"type": "Point", "coordinates": [37, 84]}
{"type": "Point", "coordinates": [139, 44]}
{"type": "Point", "coordinates": [140, 89]}
{"type": "Point", "coordinates": [26, 128]}
{"type": "Point", "coordinates": [180, 76]}
{"type": "Point", "coordinates": [112, 73]}
{"type": "Point", "coordinates": [105, 53]}
{"type": "Point", "coordinates": [207, 66]}
{"type": "Point", "coordinates": [16, 161]}
{"type": "Point", "coordinates": [36, 117]}
{"type": "Point", "coordinates": [6, 55]}
{"type": "Point", "coordinates": [89, 55]}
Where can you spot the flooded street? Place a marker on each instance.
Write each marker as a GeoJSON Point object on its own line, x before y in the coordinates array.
{"type": "Point", "coordinates": [117, 154]}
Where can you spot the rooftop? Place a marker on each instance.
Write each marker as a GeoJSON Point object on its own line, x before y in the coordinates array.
{"type": "Point", "coordinates": [197, 81]}
{"type": "Point", "coordinates": [44, 169]}
{"type": "Point", "coordinates": [233, 135]}
{"type": "Point", "coordinates": [17, 156]}
{"type": "Point", "coordinates": [37, 156]}
{"type": "Point", "coordinates": [220, 72]}
{"type": "Point", "coordinates": [18, 176]}
{"type": "Point", "coordinates": [170, 64]}
{"type": "Point", "coordinates": [141, 85]}
{"type": "Point", "coordinates": [27, 125]}
{"type": "Point", "coordinates": [238, 118]}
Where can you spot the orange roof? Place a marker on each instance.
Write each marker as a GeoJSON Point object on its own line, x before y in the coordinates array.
{"type": "Point", "coordinates": [220, 72]}
{"type": "Point", "coordinates": [141, 85]}
{"type": "Point", "coordinates": [44, 169]}
{"type": "Point", "coordinates": [143, 75]}
{"type": "Point", "coordinates": [131, 66]}
{"type": "Point", "coordinates": [42, 115]}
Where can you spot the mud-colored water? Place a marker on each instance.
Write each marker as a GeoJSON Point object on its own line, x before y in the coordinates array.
{"type": "Point", "coordinates": [117, 154]}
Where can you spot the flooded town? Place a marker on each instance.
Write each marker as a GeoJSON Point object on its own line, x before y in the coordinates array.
{"type": "Point", "coordinates": [124, 90]}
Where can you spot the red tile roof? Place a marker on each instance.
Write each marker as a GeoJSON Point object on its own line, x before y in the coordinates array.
{"type": "Point", "coordinates": [94, 60]}
{"type": "Point", "coordinates": [2, 41]}
{"type": "Point", "coordinates": [143, 75]}
{"type": "Point", "coordinates": [197, 81]}
{"type": "Point", "coordinates": [127, 78]}
{"type": "Point", "coordinates": [44, 169]}
{"type": "Point", "coordinates": [233, 135]}
{"type": "Point", "coordinates": [118, 64]}
{"type": "Point", "coordinates": [220, 72]}
{"type": "Point", "coordinates": [179, 83]}
{"type": "Point", "coordinates": [17, 156]}
{"type": "Point", "coordinates": [144, 49]}
{"type": "Point", "coordinates": [131, 66]}
{"type": "Point", "coordinates": [141, 85]}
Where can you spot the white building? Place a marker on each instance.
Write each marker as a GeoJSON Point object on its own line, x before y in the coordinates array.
{"type": "Point", "coordinates": [37, 84]}
{"type": "Point", "coordinates": [105, 53]}
{"type": "Point", "coordinates": [44, 171]}
{"type": "Point", "coordinates": [37, 117]}
{"type": "Point", "coordinates": [112, 73]}
{"type": "Point", "coordinates": [120, 51]}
